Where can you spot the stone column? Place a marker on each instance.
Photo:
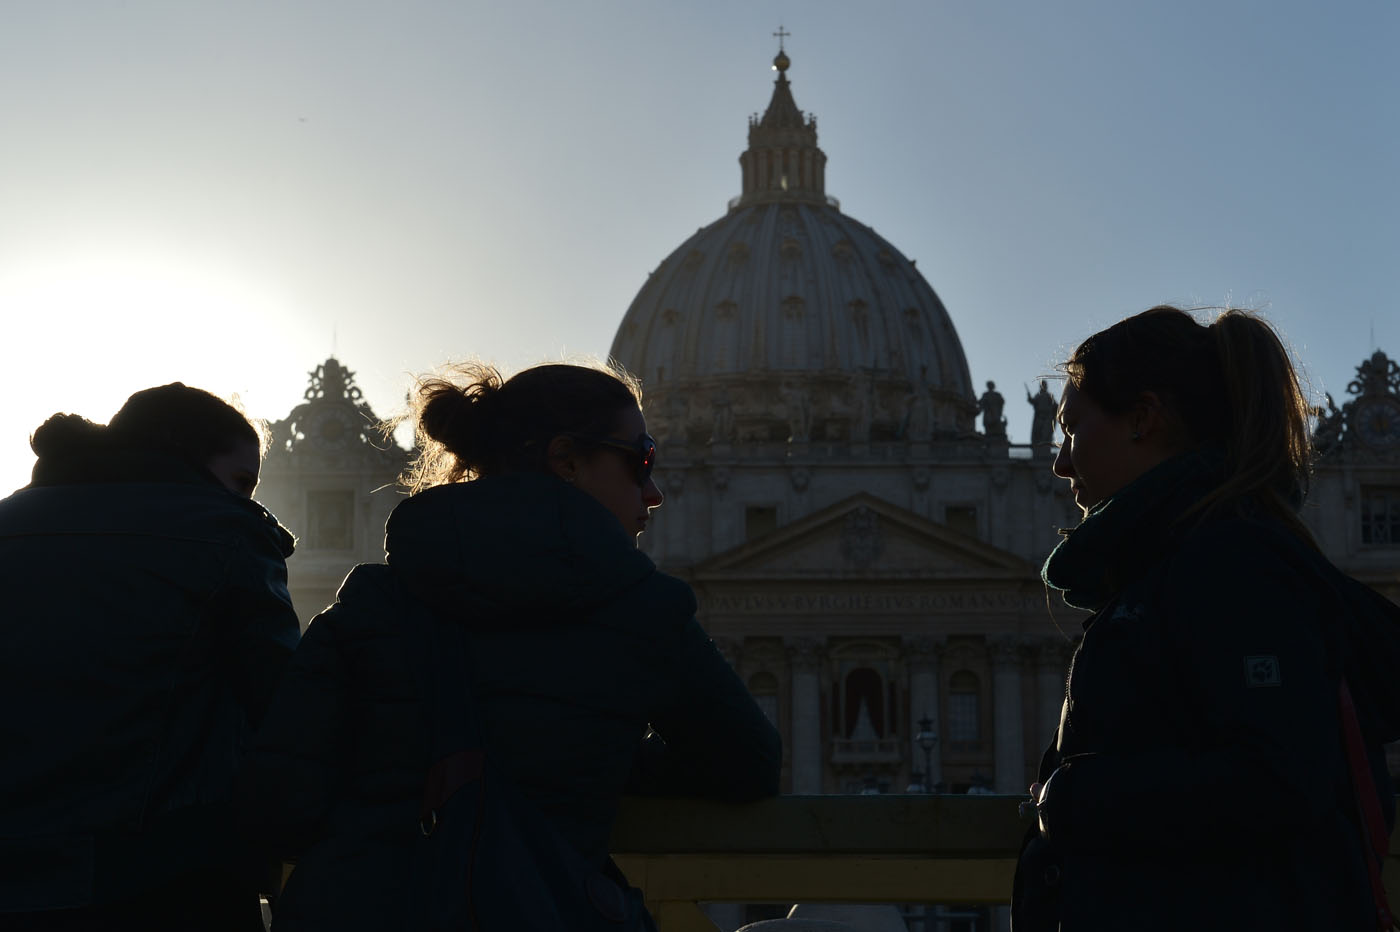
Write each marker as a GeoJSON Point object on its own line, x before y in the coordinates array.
{"type": "Point", "coordinates": [804, 654]}
{"type": "Point", "coordinates": [921, 653]}
{"type": "Point", "coordinates": [1006, 702]}
{"type": "Point", "coordinates": [1051, 667]}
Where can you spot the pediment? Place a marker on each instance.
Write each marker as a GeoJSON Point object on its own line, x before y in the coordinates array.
{"type": "Point", "coordinates": [864, 537]}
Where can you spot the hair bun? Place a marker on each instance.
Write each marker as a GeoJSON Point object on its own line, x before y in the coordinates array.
{"type": "Point", "coordinates": [64, 436]}
{"type": "Point", "coordinates": [459, 417]}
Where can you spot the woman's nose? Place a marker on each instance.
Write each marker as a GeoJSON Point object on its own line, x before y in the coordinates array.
{"type": "Point", "coordinates": [1062, 466]}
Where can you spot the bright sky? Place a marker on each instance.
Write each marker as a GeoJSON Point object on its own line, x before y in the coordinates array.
{"type": "Point", "coordinates": [223, 193]}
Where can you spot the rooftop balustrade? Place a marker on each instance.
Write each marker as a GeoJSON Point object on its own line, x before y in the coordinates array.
{"type": "Point", "coordinates": [951, 850]}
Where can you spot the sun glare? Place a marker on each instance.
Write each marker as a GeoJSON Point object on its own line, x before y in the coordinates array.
{"type": "Point", "coordinates": [84, 334]}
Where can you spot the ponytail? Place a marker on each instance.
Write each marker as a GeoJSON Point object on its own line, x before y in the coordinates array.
{"type": "Point", "coordinates": [1268, 451]}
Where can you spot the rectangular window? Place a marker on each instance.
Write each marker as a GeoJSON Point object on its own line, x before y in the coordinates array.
{"type": "Point", "coordinates": [1380, 516]}
{"type": "Point", "coordinates": [760, 520]}
{"type": "Point", "coordinates": [961, 518]}
{"type": "Point", "coordinates": [963, 731]}
{"type": "Point", "coordinates": [330, 520]}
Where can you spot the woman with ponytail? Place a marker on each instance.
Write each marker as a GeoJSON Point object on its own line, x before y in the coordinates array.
{"type": "Point", "coordinates": [518, 547]}
{"type": "Point", "coordinates": [145, 627]}
{"type": "Point", "coordinates": [1200, 777]}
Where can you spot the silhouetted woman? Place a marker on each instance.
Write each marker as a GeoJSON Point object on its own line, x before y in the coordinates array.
{"type": "Point", "coordinates": [1199, 777]}
{"type": "Point", "coordinates": [146, 623]}
{"type": "Point", "coordinates": [529, 498]}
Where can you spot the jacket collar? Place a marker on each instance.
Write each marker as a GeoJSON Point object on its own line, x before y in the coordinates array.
{"type": "Point", "coordinates": [512, 547]}
{"type": "Point", "coordinates": [1124, 535]}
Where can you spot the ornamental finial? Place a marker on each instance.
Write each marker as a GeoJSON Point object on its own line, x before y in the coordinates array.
{"type": "Point", "coordinates": [781, 62]}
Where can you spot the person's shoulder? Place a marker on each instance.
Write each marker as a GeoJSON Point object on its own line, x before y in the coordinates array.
{"type": "Point", "coordinates": [1239, 558]}
{"type": "Point", "coordinates": [659, 600]}
{"type": "Point", "coordinates": [211, 508]}
{"type": "Point", "coordinates": [368, 597]}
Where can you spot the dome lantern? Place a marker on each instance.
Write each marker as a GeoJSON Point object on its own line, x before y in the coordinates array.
{"type": "Point", "coordinates": [782, 162]}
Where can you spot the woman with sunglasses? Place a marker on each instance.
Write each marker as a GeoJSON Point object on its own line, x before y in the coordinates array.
{"type": "Point", "coordinates": [521, 529]}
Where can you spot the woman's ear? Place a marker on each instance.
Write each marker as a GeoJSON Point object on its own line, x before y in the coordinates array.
{"type": "Point", "coordinates": [1152, 422]}
{"type": "Point", "coordinates": [563, 458]}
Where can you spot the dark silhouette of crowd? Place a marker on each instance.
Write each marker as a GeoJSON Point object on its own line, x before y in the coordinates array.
{"type": "Point", "coordinates": [169, 742]}
{"type": "Point", "coordinates": [477, 705]}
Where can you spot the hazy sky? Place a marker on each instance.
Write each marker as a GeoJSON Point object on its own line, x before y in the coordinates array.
{"type": "Point", "coordinates": [224, 192]}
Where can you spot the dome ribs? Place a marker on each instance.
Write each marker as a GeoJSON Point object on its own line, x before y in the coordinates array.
{"type": "Point", "coordinates": [785, 303]}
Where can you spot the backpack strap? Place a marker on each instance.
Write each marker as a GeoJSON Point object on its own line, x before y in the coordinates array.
{"type": "Point", "coordinates": [1368, 805]}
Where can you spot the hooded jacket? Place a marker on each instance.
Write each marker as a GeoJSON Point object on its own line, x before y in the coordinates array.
{"type": "Point", "coordinates": [577, 644]}
{"type": "Point", "coordinates": [146, 625]}
{"type": "Point", "coordinates": [1197, 779]}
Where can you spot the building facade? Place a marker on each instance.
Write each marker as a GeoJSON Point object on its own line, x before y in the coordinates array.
{"type": "Point", "coordinates": [329, 476]}
{"type": "Point", "coordinates": [863, 536]}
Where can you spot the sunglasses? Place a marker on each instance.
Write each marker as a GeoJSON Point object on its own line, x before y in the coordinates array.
{"type": "Point", "coordinates": [641, 454]}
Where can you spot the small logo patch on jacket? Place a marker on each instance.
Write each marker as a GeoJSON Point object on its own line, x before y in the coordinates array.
{"type": "Point", "coordinates": [1262, 671]}
{"type": "Point", "coordinates": [1126, 613]}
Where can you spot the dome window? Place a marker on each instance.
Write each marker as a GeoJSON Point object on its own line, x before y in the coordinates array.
{"type": "Point", "coordinates": [726, 309]}
{"type": "Point", "coordinates": [694, 260]}
{"type": "Point", "coordinates": [738, 253]}
{"type": "Point", "coordinates": [671, 316]}
{"type": "Point", "coordinates": [860, 320]}
{"type": "Point", "coordinates": [843, 251]}
{"type": "Point", "coordinates": [791, 248]}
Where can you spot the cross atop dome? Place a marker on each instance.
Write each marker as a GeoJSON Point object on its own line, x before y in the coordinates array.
{"type": "Point", "coordinates": [781, 61]}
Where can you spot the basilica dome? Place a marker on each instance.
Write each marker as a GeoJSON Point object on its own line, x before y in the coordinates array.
{"type": "Point", "coordinates": [788, 320]}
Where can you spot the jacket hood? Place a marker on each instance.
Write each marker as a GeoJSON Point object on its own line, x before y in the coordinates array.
{"type": "Point", "coordinates": [120, 466]}
{"type": "Point", "coordinates": [526, 543]}
{"type": "Point", "coordinates": [117, 464]}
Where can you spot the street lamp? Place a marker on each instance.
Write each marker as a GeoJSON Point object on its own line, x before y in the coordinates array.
{"type": "Point", "coordinates": [928, 740]}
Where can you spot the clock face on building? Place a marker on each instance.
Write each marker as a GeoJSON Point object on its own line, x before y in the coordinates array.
{"type": "Point", "coordinates": [1378, 423]}
{"type": "Point", "coordinates": [332, 428]}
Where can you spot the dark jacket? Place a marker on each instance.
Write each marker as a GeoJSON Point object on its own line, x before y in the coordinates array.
{"type": "Point", "coordinates": [146, 624]}
{"type": "Point", "coordinates": [577, 643]}
{"type": "Point", "coordinates": [1197, 779]}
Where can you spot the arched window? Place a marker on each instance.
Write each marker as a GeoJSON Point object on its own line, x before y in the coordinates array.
{"type": "Point", "coordinates": [764, 688]}
{"type": "Point", "coordinates": [865, 705]}
{"type": "Point", "coordinates": [964, 711]}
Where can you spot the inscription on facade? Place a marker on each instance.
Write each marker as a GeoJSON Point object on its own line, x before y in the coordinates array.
{"type": "Point", "coordinates": [922, 603]}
